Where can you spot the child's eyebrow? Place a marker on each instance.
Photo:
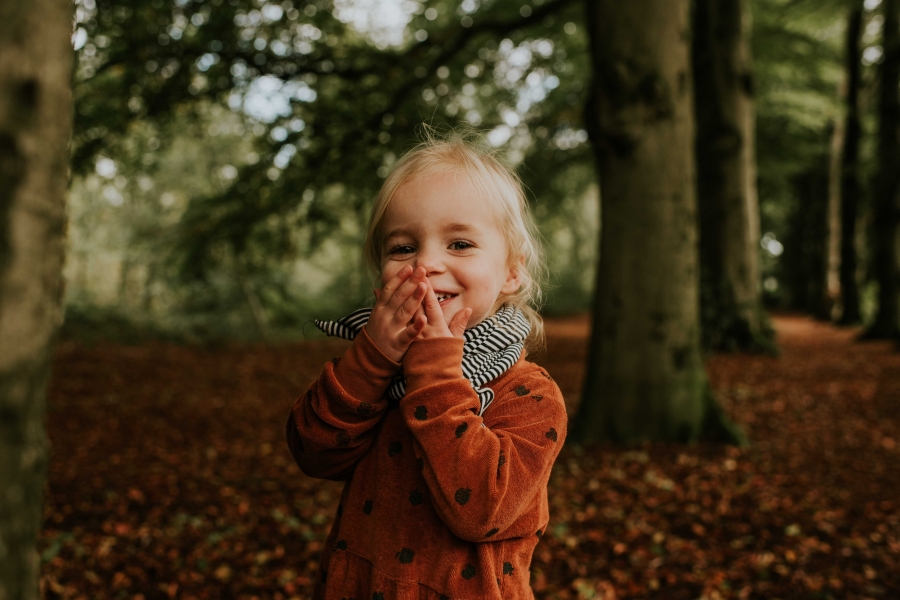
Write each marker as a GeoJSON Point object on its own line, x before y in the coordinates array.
{"type": "Point", "coordinates": [450, 228]}
{"type": "Point", "coordinates": [460, 228]}
{"type": "Point", "coordinates": [396, 233]}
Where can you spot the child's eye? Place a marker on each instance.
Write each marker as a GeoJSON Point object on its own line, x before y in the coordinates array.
{"type": "Point", "coordinates": [401, 249]}
{"type": "Point", "coordinates": [461, 245]}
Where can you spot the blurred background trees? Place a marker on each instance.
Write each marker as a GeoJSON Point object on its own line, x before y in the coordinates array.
{"type": "Point", "coordinates": [225, 151]}
{"type": "Point", "coordinates": [887, 180]}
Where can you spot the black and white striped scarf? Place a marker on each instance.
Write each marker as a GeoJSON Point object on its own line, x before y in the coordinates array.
{"type": "Point", "coordinates": [489, 350]}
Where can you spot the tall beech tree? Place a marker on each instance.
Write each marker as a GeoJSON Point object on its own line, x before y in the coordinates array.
{"type": "Point", "coordinates": [646, 378]}
{"type": "Point", "coordinates": [731, 310]}
{"type": "Point", "coordinates": [806, 251]}
{"type": "Point", "coordinates": [849, 170]}
{"type": "Point", "coordinates": [35, 122]}
{"type": "Point", "coordinates": [884, 230]}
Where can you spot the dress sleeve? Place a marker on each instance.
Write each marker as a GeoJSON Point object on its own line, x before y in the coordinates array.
{"type": "Point", "coordinates": [483, 474]}
{"type": "Point", "coordinates": [330, 426]}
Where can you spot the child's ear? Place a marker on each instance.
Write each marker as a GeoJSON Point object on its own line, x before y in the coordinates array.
{"type": "Point", "coordinates": [514, 277]}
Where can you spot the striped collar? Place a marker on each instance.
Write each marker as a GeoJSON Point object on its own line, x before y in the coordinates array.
{"type": "Point", "coordinates": [489, 348]}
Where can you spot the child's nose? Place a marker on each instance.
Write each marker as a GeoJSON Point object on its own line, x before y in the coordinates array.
{"type": "Point", "coordinates": [430, 260]}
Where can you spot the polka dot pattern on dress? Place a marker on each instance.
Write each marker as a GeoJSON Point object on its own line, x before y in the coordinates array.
{"type": "Point", "coordinates": [462, 495]}
{"type": "Point", "coordinates": [468, 572]}
{"type": "Point", "coordinates": [461, 429]}
{"type": "Point", "coordinates": [421, 413]}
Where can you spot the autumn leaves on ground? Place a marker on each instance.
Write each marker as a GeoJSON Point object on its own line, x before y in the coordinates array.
{"type": "Point", "coordinates": [170, 478]}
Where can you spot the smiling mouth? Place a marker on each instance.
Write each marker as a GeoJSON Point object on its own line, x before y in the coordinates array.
{"type": "Point", "coordinates": [443, 297]}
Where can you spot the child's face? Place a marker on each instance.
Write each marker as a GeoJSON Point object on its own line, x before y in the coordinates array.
{"type": "Point", "coordinates": [438, 222]}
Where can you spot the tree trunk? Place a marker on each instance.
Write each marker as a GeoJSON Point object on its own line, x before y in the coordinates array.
{"type": "Point", "coordinates": [884, 231]}
{"type": "Point", "coordinates": [646, 379]}
{"type": "Point", "coordinates": [35, 122]}
{"type": "Point", "coordinates": [730, 295]}
{"type": "Point", "coordinates": [810, 240]}
{"type": "Point", "coordinates": [793, 274]}
{"type": "Point", "coordinates": [850, 189]}
{"type": "Point", "coordinates": [832, 243]}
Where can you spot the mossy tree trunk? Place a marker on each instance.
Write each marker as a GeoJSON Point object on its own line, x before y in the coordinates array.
{"type": "Point", "coordinates": [35, 122]}
{"type": "Point", "coordinates": [850, 185]}
{"type": "Point", "coordinates": [731, 310]}
{"type": "Point", "coordinates": [884, 230]}
{"type": "Point", "coordinates": [646, 379]}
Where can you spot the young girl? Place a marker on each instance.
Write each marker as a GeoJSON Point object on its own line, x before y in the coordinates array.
{"type": "Point", "coordinates": [443, 431]}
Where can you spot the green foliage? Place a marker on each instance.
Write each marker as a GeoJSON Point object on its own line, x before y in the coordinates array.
{"type": "Point", "coordinates": [226, 151]}
{"type": "Point", "coordinates": [797, 51]}
{"type": "Point", "coordinates": [248, 138]}
{"type": "Point", "coordinates": [798, 48]}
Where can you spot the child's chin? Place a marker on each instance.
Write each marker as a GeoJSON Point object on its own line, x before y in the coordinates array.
{"type": "Point", "coordinates": [450, 312]}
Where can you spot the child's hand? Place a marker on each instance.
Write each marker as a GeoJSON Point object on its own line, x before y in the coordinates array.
{"type": "Point", "coordinates": [434, 323]}
{"type": "Point", "coordinates": [397, 317]}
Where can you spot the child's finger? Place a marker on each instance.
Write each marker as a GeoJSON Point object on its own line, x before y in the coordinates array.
{"type": "Point", "coordinates": [433, 307]}
{"type": "Point", "coordinates": [406, 289]}
{"type": "Point", "coordinates": [460, 320]}
{"type": "Point", "coordinates": [412, 304]}
{"type": "Point", "coordinates": [395, 282]}
{"type": "Point", "coordinates": [412, 330]}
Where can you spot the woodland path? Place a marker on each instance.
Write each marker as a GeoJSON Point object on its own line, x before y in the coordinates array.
{"type": "Point", "coordinates": [169, 478]}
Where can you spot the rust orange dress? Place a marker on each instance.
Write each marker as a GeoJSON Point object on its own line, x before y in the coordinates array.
{"type": "Point", "coordinates": [439, 502]}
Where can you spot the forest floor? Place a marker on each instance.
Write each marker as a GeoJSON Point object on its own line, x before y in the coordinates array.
{"type": "Point", "coordinates": [169, 477]}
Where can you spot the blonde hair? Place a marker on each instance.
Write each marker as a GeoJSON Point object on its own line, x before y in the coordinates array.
{"type": "Point", "coordinates": [462, 152]}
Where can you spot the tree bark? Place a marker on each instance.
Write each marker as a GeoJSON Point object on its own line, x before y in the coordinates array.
{"type": "Point", "coordinates": [884, 231]}
{"type": "Point", "coordinates": [732, 316]}
{"type": "Point", "coordinates": [806, 249]}
{"type": "Point", "coordinates": [832, 244]}
{"type": "Point", "coordinates": [850, 187]}
{"type": "Point", "coordinates": [646, 379]}
{"type": "Point", "coordinates": [35, 122]}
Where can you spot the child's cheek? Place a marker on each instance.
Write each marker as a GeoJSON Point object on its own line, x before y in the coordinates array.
{"type": "Point", "coordinates": [388, 271]}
